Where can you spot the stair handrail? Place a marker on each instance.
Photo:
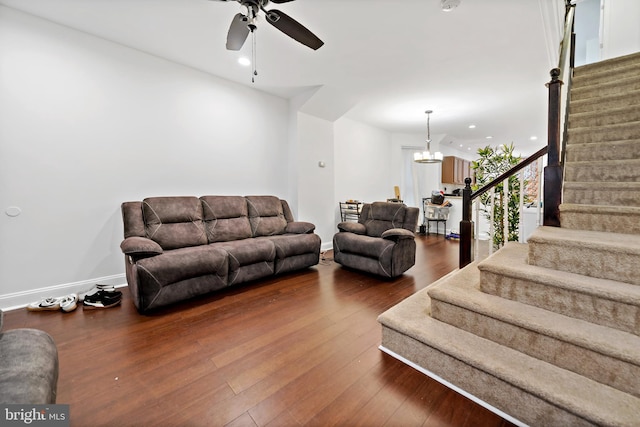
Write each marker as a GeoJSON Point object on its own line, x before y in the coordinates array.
{"type": "Point", "coordinates": [553, 172]}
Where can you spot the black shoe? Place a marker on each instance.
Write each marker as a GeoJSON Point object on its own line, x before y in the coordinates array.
{"type": "Point", "coordinates": [100, 304]}
{"type": "Point", "coordinates": [102, 299]}
{"type": "Point", "coordinates": [103, 296]}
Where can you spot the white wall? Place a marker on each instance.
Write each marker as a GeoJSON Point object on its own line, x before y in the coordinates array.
{"type": "Point", "coordinates": [621, 28]}
{"type": "Point", "coordinates": [363, 167]}
{"type": "Point", "coordinates": [315, 184]}
{"type": "Point", "coordinates": [86, 124]}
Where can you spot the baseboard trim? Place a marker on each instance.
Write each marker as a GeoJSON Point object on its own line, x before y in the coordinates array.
{"type": "Point", "coordinates": [20, 300]}
{"type": "Point", "coordinates": [453, 387]}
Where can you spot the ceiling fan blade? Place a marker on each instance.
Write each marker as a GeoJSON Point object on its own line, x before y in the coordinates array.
{"type": "Point", "coordinates": [293, 28]}
{"type": "Point", "coordinates": [280, 1]}
{"type": "Point", "coordinates": [238, 32]}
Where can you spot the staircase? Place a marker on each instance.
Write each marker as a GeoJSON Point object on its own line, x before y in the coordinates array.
{"type": "Point", "coordinates": [548, 332]}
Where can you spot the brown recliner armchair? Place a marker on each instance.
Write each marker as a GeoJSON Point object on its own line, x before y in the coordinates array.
{"type": "Point", "coordinates": [381, 242]}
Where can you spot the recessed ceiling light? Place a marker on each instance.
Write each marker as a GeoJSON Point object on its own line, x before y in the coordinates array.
{"type": "Point", "coordinates": [472, 126]}
{"type": "Point", "coordinates": [460, 145]}
{"type": "Point", "coordinates": [489, 137]}
{"type": "Point", "coordinates": [533, 138]}
{"type": "Point", "coordinates": [244, 61]}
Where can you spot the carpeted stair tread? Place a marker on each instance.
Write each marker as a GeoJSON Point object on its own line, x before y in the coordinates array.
{"type": "Point", "coordinates": [529, 389]}
{"type": "Point", "coordinates": [507, 274]}
{"type": "Point", "coordinates": [597, 134]}
{"type": "Point", "coordinates": [626, 170]}
{"type": "Point", "coordinates": [606, 71]}
{"type": "Point", "coordinates": [606, 355]}
{"type": "Point", "coordinates": [609, 87]}
{"type": "Point", "coordinates": [619, 100]}
{"type": "Point", "coordinates": [604, 118]}
{"type": "Point", "coordinates": [607, 150]}
{"type": "Point", "coordinates": [603, 218]}
{"type": "Point", "coordinates": [616, 194]}
{"type": "Point", "coordinates": [609, 65]}
{"type": "Point", "coordinates": [614, 256]}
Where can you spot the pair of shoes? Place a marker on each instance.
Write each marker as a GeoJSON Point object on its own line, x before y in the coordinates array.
{"type": "Point", "coordinates": [66, 303]}
{"type": "Point", "coordinates": [102, 299]}
{"type": "Point", "coordinates": [69, 302]}
{"type": "Point", "coordinates": [96, 288]}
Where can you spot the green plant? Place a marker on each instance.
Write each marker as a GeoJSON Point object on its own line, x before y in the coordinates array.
{"type": "Point", "coordinates": [493, 162]}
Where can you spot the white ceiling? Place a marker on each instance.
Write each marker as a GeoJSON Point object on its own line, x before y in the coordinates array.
{"type": "Point", "coordinates": [384, 62]}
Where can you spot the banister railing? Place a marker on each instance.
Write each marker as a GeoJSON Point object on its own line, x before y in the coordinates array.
{"type": "Point", "coordinates": [553, 172]}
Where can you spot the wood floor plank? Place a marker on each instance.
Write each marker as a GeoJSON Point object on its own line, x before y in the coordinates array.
{"type": "Point", "coordinates": [298, 349]}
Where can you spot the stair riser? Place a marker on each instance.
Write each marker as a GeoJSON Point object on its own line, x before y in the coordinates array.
{"type": "Point", "coordinates": [604, 133]}
{"type": "Point", "coordinates": [586, 260]}
{"type": "Point", "coordinates": [566, 355]}
{"type": "Point", "coordinates": [617, 150]}
{"type": "Point", "coordinates": [592, 308]}
{"type": "Point", "coordinates": [611, 117]}
{"type": "Point", "coordinates": [607, 223]}
{"type": "Point", "coordinates": [601, 196]}
{"type": "Point", "coordinates": [604, 104]}
{"type": "Point", "coordinates": [500, 394]}
{"type": "Point", "coordinates": [581, 80]}
{"type": "Point", "coordinates": [593, 91]}
{"type": "Point", "coordinates": [602, 172]}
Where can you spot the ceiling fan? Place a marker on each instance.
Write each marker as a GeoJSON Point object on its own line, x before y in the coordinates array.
{"type": "Point", "coordinates": [242, 24]}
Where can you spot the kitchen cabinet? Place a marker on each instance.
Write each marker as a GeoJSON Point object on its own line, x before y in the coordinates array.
{"type": "Point", "coordinates": [455, 170]}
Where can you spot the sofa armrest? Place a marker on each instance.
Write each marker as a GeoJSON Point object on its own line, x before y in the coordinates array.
{"type": "Point", "coordinates": [140, 246]}
{"type": "Point", "coordinates": [397, 234]}
{"type": "Point", "coordinates": [300, 227]}
{"type": "Point", "coordinates": [352, 227]}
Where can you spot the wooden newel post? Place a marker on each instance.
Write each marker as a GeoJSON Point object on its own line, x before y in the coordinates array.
{"type": "Point", "coordinates": [466, 227]}
{"type": "Point", "coordinates": [553, 172]}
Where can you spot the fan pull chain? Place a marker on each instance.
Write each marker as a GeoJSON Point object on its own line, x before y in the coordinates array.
{"type": "Point", "coordinates": [253, 54]}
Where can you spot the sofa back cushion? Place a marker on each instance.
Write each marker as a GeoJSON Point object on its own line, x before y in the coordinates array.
{"type": "Point", "coordinates": [266, 215]}
{"type": "Point", "coordinates": [226, 218]}
{"type": "Point", "coordinates": [379, 217]}
{"type": "Point", "coordinates": [174, 222]}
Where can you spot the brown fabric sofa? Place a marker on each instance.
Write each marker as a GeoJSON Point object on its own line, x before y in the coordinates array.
{"type": "Point", "coordinates": [381, 242]}
{"type": "Point", "coordinates": [180, 247]}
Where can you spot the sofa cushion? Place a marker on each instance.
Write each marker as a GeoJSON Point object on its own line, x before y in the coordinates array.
{"type": "Point", "coordinates": [174, 222]}
{"type": "Point", "coordinates": [226, 218]}
{"type": "Point", "coordinates": [288, 245]}
{"type": "Point", "coordinates": [182, 264]}
{"type": "Point", "coordinates": [382, 216]}
{"type": "Point", "coordinates": [367, 246]}
{"type": "Point", "coordinates": [246, 252]}
{"type": "Point", "coordinates": [266, 215]}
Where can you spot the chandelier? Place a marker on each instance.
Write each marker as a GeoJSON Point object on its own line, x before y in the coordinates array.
{"type": "Point", "coordinates": [428, 156]}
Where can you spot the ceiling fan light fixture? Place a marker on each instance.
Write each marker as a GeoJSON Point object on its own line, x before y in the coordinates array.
{"type": "Point", "coordinates": [427, 156]}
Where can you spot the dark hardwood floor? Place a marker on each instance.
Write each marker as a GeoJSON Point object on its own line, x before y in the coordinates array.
{"type": "Point", "coordinates": [301, 349]}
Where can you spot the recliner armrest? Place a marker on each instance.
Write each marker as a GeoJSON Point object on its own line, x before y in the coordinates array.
{"type": "Point", "coordinates": [300, 227]}
{"type": "Point", "coordinates": [397, 234]}
{"type": "Point", "coordinates": [140, 246]}
{"type": "Point", "coordinates": [352, 227]}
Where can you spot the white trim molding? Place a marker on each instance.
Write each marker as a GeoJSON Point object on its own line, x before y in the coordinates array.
{"type": "Point", "coordinates": [453, 387]}
{"type": "Point", "coordinates": [18, 300]}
